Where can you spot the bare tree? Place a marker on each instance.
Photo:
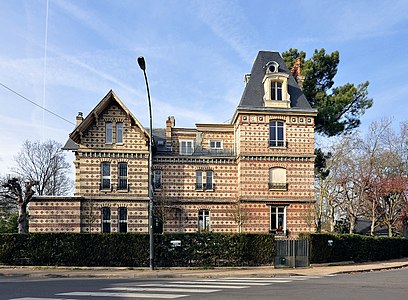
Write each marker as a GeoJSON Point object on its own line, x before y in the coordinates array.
{"type": "Point", "coordinates": [44, 162]}
{"type": "Point", "coordinates": [22, 197]}
{"type": "Point", "coordinates": [42, 169]}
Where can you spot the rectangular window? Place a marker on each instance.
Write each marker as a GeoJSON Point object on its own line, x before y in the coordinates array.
{"type": "Point", "coordinates": [278, 219]}
{"type": "Point", "coordinates": [108, 132]}
{"type": "Point", "coordinates": [209, 180]}
{"type": "Point", "coordinates": [106, 176]}
{"type": "Point", "coordinates": [122, 219]}
{"type": "Point", "coordinates": [203, 220]}
{"type": "Point", "coordinates": [106, 219]}
{"type": "Point", "coordinates": [157, 180]}
{"type": "Point", "coordinates": [216, 144]}
{"type": "Point", "coordinates": [199, 180]}
{"type": "Point", "coordinates": [119, 133]}
{"type": "Point", "coordinates": [186, 147]}
{"type": "Point", "coordinates": [276, 90]}
{"type": "Point", "coordinates": [276, 134]}
{"type": "Point", "coordinates": [122, 176]}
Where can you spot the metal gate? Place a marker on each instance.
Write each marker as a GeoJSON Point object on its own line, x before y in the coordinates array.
{"type": "Point", "coordinates": [292, 253]}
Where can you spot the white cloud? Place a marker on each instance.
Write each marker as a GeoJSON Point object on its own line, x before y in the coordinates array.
{"type": "Point", "coordinates": [227, 20]}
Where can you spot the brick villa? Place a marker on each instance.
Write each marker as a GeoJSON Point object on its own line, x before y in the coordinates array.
{"type": "Point", "coordinates": [254, 175]}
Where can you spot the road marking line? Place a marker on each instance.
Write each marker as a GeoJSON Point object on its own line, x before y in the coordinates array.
{"type": "Point", "coordinates": [42, 298]}
{"type": "Point", "coordinates": [204, 286]}
{"type": "Point", "coordinates": [160, 289]}
{"type": "Point", "coordinates": [251, 282]}
{"type": "Point", "coordinates": [123, 295]}
{"type": "Point", "coordinates": [273, 278]}
{"type": "Point", "coordinates": [216, 282]}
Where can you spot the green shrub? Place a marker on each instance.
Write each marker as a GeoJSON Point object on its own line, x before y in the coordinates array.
{"type": "Point", "coordinates": [357, 248]}
{"type": "Point", "coordinates": [132, 250]}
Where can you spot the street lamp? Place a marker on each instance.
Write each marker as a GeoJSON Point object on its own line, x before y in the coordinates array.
{"type": "Point", "coordinates": [142, 65]}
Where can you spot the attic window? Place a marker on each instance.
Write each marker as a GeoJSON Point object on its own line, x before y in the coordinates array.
{"type": "Point", "coordinates": [272, 67]}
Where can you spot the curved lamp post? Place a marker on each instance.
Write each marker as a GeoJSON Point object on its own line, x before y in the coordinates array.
{"type": "Point", "coordinates": [142, 65]}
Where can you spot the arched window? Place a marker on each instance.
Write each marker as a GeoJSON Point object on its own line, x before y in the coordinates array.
{"type": "Point", "coordinates": [106, 176]}
{"type": "Point", "coordinates": [108, 132]}
{"type": "Point", "coordinates": [276, 134]}
{"type": "Point", "coordinates": [106, 219]}
{"type": "Point", "coordinates": [277, 178]}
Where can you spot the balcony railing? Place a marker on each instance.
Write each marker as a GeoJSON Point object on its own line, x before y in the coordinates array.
{"type": "Point", "coordinates": [278, 186]}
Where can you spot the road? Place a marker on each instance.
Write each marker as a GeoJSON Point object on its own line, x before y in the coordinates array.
{"type": "Point", "coordinates": [371, 285]}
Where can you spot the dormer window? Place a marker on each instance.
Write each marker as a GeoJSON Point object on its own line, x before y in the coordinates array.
{"type": "Point", "coordinates": [276, 90]}
{"type": "Point", "coordinates": [275, 85]}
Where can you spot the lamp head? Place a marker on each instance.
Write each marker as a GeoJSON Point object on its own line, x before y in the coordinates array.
{"type": "Point", "coordinates": [141, 62]}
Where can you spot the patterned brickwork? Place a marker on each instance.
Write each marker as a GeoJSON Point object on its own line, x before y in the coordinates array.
{"type": "Point", "coordinates": [299, 217]}
{"type": "Point", "coordinates": [179, 181]}
{"type": "Point", "coordinates": [89, 182]}
{"type": "Point", "coordinates": [55, 215]}
{"type": "Point", "coordinates": [254, 179]}
{"type": "Point", "coordinates": [184, 217]}
{"type": "Point", "coordinates": [241, 196]}
{"type": "Point", "coordinates": [137, 220]}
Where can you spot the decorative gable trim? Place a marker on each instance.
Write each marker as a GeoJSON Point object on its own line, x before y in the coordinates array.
{"type": "Point", "coordinates": [93, 116]}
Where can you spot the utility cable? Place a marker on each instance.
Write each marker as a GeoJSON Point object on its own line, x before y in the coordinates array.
{"type": "Point", "coordinates": [32, 102]}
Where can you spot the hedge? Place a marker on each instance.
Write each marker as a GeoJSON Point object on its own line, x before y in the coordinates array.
{"type": "Point", "coordinates": [357, 248]}
{"type": "Point", "coordinates": [132, 250]}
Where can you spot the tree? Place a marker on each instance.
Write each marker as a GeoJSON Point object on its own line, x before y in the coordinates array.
{"type": "Point", "coordinates": [22, 198]}
{"type": "Point", "coordinates": [44, 162]}
{"type": "Point", "coordinates": [339, 108]}
{"type": "Point", "coordinates": [42, 169]}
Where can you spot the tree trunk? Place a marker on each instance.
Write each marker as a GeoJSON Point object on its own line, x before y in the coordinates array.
{"type": "Point", "coordinates": [331, 218]}
{"type": "Point", "coordinates": [352, 224]}
{"type": "Point", "coordinates": [389, 230]}
{"type": "Point", "coordinates": [22, 218]}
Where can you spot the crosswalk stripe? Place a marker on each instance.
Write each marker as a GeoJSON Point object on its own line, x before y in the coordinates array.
{"type": "Point", "coordinates": [214, 282]}
{"type": "Point", "coordinates": [123, 295]}
{"type": "Point", "coordinates": [204, 286]}
{"type": "Point", "coordinates": [247, 281]}
{"type": "Point", "coordinates": [42, 298]}
{"type": "Point", "coordinates": [160, 289]}
{"type": "Point", "coordinates": [294, 278]}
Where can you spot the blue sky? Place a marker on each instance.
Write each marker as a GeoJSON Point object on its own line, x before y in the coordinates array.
{"type": "Point", "coordinates": [66, 55]}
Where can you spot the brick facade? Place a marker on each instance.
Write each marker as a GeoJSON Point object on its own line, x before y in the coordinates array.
{"type": "Point", "coordinates": [254, 175]}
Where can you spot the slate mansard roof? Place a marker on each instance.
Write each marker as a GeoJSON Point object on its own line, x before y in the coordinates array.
{"type": "Point", "coordinates": [252, 97]}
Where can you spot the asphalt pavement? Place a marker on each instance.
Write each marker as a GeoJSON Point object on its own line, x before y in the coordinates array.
{"type": "Point", "coordinates": [263, 271]}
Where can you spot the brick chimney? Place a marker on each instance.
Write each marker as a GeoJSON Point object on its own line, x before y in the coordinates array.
{"type": "Point", "coordinates": [170, 123]}
{"type": "Point", "coordinates": [297, 72]}
{"type": "Point", "coordinates": [79, 118]}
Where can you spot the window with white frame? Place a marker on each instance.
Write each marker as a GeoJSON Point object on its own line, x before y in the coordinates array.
{"type": "Point", "coordinates": [199, 181]}
{"type": "Point", "coordinates": [209, 180]}
{"type": "Point", "coordinates": [276, 90]}
{"type": "Point", "coordinates": [122, 219]}
{"type": "Point", "coordinates": [122, 176]}
{"type": "Point", "coordinates": [216, 144]}
{"type": "Point", "coordinates": [108, 132]}
{"type": "Point", "coordinates": [204, 180]}
{"type": "Point", "coordinates": [157, 180]}
{"type": "Point", "coordinates": [186, 147]}
{"type": "Point", "coordinates": [119, 132]}
{"type": "Point", "coordinates": [106, 176]}
{"type": "Point", "coordinates": [278, 219]}
{"type": "Point", "coordinates": [277, 178]}
{"type": "Point", "coordinates": [106, 219]}
{"type": "Point", "coordinates": [276, 134]}
{"type": "Point", "coordinates": [203, 220]}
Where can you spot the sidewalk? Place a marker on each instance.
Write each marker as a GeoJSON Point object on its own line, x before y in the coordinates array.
{"type": "Point", "coordinates": [264, 271]}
